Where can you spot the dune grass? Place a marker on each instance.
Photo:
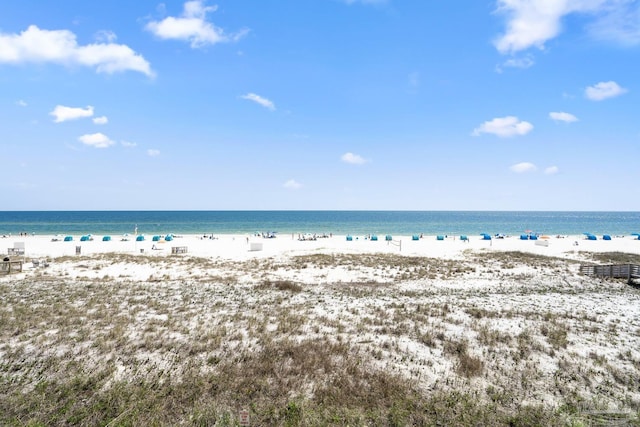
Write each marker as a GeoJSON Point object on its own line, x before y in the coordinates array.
{"type": "Point", "coordinates": [501, 339]}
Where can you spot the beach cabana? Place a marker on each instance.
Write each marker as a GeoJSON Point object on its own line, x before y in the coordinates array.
{"type": "Point", "coordinates": [85, 238]}
{"type": "Point", "coordinates": [533, 237]}
{"type": "Point", "coordinates": [388, 238]}
{"type": "Point", "coordinates": [68, 238]}
{"type": "Point", "coordinates": [524, 237]}
{"type": "Point", "coordinates": [168, 237]}
{"type": "Point", "coordinates": [140, 238]}
{"type": "Point", "coordinates": [106, 238]}
{"type": "Point", "coordinates": [606, 237]}
{"type": "Point", "coordinates": [486, 236]}
{"type": "Point", "coordinates": [439, 237]}
{"type": "Point", "coordinates": [155, 238]}
{"type": "Point", "coordinates": [349, 238]}
{"type": "Point", "coordinates": [464, 238]}
{"type": "Point", "coordinates": [415, 237]}
{"type": "Point", "coordinates": [374, 237]}
{"type": "Point", "coordinates": [637, 235]}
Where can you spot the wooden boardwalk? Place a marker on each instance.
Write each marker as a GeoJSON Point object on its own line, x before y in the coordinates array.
{"type": "Point", "coordinates": [620, 271]}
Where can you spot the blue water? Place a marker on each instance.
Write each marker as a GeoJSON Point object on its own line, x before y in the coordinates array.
{"type": "Point", "coordinates": [336, 222]}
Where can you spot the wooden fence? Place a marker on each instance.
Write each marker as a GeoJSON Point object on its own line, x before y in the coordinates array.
{"type": "Point", "coordinates": [620, 271]}
{"type": "Point", "coordinates": [8, 267]}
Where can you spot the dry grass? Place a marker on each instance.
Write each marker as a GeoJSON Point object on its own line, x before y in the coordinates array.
{"type": "Point", "coordinates": [495, 339]}
{"type": "Point", "coordinates": [615, 258]}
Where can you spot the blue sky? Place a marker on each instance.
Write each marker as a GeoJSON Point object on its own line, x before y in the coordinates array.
{"type": "Point", "coordinates": [320, 104]}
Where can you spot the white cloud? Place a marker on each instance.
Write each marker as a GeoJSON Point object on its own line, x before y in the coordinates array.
{"type": "Point", "coordinates": [21, 103]}
{"type": "Point", "coordinates": [620, 23]}
{"type": "Point", "coordinates": [551, 170]}
{"type": "Point", "coordinates": [292, 184]}
{"type": "Point", "coordinates": [103, 120]}
{"type": "Point", "coordinates": [523, 167]}
{"type": "Point", "coordinates": [106, 36]}
{"type": "Point", "coordinates": [97, 140]}
{"type": "Point", "coordinates": [563, 117]}
{"type": "Point", "coordinates": [534, 22]}
{"type": "Point", "coordinates": [192, 26]}
{"type": "Point", "coordinates": [260, 100]}
{"type": "Point", "coordinates": [61, 47]}
{"type": "Point", "coordinates": [353, 159]}
{"type": "Point", "coordinates": [153, 153]}
{"type": "Point", "coordinates": [524, 62]}
{"type": "Point", "coordinates": [128, 144]}
{"type": "Point", "coordinates": [504, 127]}
{"type": "Point", "coordinates": [604, 90]}
{"type": "Point", "coordinates": [63, 114]}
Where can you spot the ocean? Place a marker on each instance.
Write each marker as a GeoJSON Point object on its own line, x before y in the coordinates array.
{"type": "Point", "coordinates": [336, 222]}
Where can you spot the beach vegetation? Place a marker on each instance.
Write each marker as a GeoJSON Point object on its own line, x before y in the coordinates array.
{"type": "Point", "coordinates": [394, 341]}
{"type": "Point", "coordinates": [613, 257]}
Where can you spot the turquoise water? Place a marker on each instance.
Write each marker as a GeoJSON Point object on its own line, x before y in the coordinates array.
{"type": "Point", "coordinates": [336, 222]}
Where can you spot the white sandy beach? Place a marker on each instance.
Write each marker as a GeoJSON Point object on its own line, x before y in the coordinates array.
{"type": "Point", "coordinates": [239, 247]}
